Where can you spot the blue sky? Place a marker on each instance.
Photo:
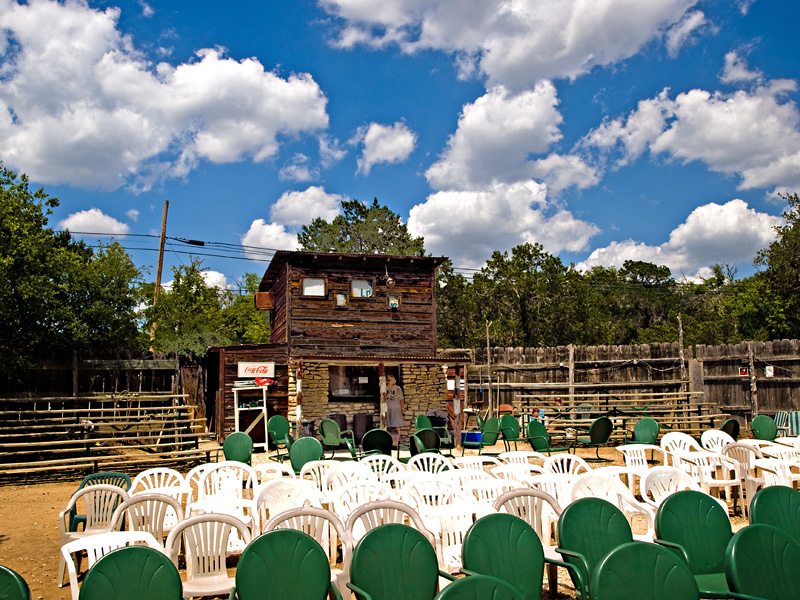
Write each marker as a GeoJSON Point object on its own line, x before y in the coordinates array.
{"type": "Point", "coordinates": [606, 130]}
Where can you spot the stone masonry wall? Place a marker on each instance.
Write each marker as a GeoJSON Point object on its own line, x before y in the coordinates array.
{"type": "Point", "coordinates": [424, 389]}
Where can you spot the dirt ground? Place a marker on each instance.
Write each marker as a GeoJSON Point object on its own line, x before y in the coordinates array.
{"type": "Point", "coordinates": [29, 534]}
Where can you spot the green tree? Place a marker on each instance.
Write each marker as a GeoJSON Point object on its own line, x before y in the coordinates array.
{"type": "Point", "coordinates": [57, 295]}
{"type": "Point", "coordinates": [240, 319]}
{"type": "Point", "coordinates": [188, 315]}
{"type": "Point", "coordinates": [782, 261]}
{"type": "Point", "coordinates": [361, 229]}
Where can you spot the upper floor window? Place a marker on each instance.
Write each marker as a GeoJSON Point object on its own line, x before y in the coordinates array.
{"type": "Point", "coordinates": [361, 288]}
{"type": "Point", "coordinates": [313, 287]}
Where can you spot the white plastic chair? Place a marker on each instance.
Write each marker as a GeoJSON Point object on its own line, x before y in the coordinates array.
{"type": "Point", "coordinates": [517, 472]}
{"type": "Point", "coordinates": [347, 498]}
{"type": "Point", "coordinates": [98, 545]}
{"type": "Point", "coordinates": [273, 470]}
{"type": "Point", "coordinates": [329, 531]}
{"type": "Point", "coordinates": [228, 488]}
{"type": "Point", "coordinates": [205, 541]}
{"type": "Point", "coordinates": [99, 502]}
{"type": "Point", "coordinates": [522, 457]}
{"type": "Point", "coordinates": [315, 470]}
{"type": "Point", "coordinates": [745, 456]}
{"type": "Point", "coordinates": [345, 473]}
{"type": "Point", "coordinates": [486, 492]}
{"type": "Point", "coordinates": [477, 463]}
{"type": "Point", "coordinates": [398, 481]}
{"type": "Point", "coordinates": [429, 462]}
{"type": "Point", "coordinates": [714, 472]}
{"type": "Point", "coordinates": [776, 471]}
{"type": "Point", "coordinates": [454, 522]}
{"type": "Point", "coordinates": [460, 478]}
{"type": "Point", "coordinates": [556, 485]}
{"type": "Point", "coordinates": [428, 496]}
{"type": "Point", "coordinates": [660, 482]}
{"type": "Point", "coordinates": [156, 514]}
{"type": "Point", "coordinates": [714, 440]}
{"type": "Point", "coordinates": [192, 482]}
{"type": "Point", "coordinates": [635, 456]}
{"type": "Point", "coordinates": [382, 464]}
{"type": "Point", "coordinates": [677, 441]}
{"type": "Point", "coordinates": [610, 488]}
{"type": "Point", "coordinates": [370, 515]}
{"type": "Point", "coordinates": [541, 511]}
{"type": "Point", "coordinates": [279, 495]}
{"type": "Point", "coordinates": [564, 462]}
{"type": "Point", "coordinates": [156, 481]}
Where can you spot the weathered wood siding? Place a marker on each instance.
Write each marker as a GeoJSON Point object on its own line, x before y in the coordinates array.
{"type": "Point", "coordinates": [279, 315]}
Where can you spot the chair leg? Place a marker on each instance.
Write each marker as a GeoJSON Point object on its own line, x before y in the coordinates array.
{"type": "Point", "coordinates": [552, 579]}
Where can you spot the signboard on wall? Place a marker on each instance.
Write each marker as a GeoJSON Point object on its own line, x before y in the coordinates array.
{"type": "Point", "coordinates": [256, 369]}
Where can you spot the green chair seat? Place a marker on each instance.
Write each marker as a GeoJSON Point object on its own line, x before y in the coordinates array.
{"type": "Point", "coordinates": [778, 506]}
{"type": "Point", "coordinates": [645, 431]}
{"type": "Point", "coordinates": [599, 434]}
{"type": "Point", "coordinates": [761, 561]}
{"type": "Point", "coordinates": [333, 436]}
{"type": "Point", "coordinates": [490, 432]}
{"type": "Point", "coordinates": [130, 573]}
{"type": "Point", "coordinates": [731, 427]}
{"type": "Point", "coordinates": [304, 450]}
{"type": "Point", "coordinates": [12, 585]}
{"type": "Point", "coordinates": [479, 587]}
{"type": "Point", "coordinates": [238, 446]}
{"type": "Point", "coordinates": [542, 441]}
{"type": "Point", "coordinates": [764, 428]}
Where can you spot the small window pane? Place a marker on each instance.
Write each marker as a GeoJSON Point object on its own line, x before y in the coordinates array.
{"type": "Point", "coordinates": [361, 288]}
{"type": "Point", "coordinates": [313, 286]}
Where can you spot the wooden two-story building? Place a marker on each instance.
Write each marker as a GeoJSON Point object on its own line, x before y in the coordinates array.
{"type": "Point", "coordinates": [339, 324]}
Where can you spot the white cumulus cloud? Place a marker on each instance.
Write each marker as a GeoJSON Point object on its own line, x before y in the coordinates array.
{"type": "Point", "coordinates": [93, 221]}
{"type": "Point", "coordinates": [469, 225]}
{"type": "Point", "coordinates": [79, 104]}
{"type": "Point", "coordinates": [517, 42]}
{"type": "Point", "coordinates": [300, 208]}
{"type": "Point", "coordinates": [713, 233]}
{"type": "Point", "coordinates": [390, 144]}
{"type": "Point", "coordinates": [268, 235]}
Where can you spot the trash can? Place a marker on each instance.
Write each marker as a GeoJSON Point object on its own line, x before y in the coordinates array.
{"type": "Point", "coordinates": [307, 428]}
{"type": "Point", "coordinates": [340, 418]}
{"type": "Point", "coordinates": [362, 423]}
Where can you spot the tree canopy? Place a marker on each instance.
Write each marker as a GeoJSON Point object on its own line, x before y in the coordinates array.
{"type": "Point", "coordinates": [361, 229]}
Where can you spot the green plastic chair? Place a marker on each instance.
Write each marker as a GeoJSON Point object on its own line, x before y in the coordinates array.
{"type": "Point", "coordinates": [778, 506]}
{"type": "Point", "coordinates": [394, 562]}
{"type": "Point", "coordinates": [509, 428]}
{"type": "Point", "coordinates": [12, 585]}
{"type": "Point", "coordinates": [697, 529]}
{"type": "Point", "coordinates": [479, 587]}
{"type": "Point", "coordinates": [504, 546]}
{"type": "Point", "coordinates": [278, 431]}
{"type": "Point", "coordinates": [541, 441]}
{"type": "Point", "coordinates": [116, 478]}
{"type": "Point", "coordinates": [284, 564]}
{"type": "Point", "coordinates": [238, 446]}
{"type": "Point", "coordinates": [731, 427]}
{"type": "Point", "coordinates": [761, 562]}
{"type": "Point", "coordinates": [132, 573]}
{"type": "Point", "coordinates": [304, 450]}
{"type": "Point", "coordinates": [333, 436]}
{"type": "Point", "coordinates": [645, 431]}
{"type": "Point", "coordinates": [764, 428]}
{"type": "Point", "coordinates": [599, 433]}
{"type": "Point", "coordinates": [588, 529]}
{"type": "Point", "coordinates": [639, 570]}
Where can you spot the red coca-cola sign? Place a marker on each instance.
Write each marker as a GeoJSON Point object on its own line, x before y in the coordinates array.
{"type": "Point", "coordinates": [251, 370]}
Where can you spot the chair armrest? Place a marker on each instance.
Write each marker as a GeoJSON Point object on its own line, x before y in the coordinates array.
{"type": "Point", "coordinates": [446, 575]}
{"type": "Point", "coordinates": [232, 595]}
{"type": "Point", "coordinates": [677, 548]}
{"type": "Point", "coordinates": [337, 595]}
{"type": "Point", "coordinates": [351, 446]}
{"type": "Point", "coordinates": [361, 594]}
{"type": "Point", "coordinates": [578, 575]}
{"type": "Point", "coordinates": [349, 432]}
{"type": "Point", "coordinates": [578, 556]}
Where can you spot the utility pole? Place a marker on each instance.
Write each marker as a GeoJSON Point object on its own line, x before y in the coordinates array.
{"type": "Point", "coordinates": [160, 266]}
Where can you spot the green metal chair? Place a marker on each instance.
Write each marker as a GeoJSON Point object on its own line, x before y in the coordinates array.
{"type": "Point", "coordinates": [238, 446]}
{"type": "Point", "coordinates": [278, 431]}
{"type": "Point", "coordinates": [639, 570]}
{"type": "Point", "coordinates": [504, 546]}
{"type": "Point", "coordinates": [304, 450]}
{"type": "Point", "coordinates": [12, 585]}
{"type": "Point", "coordinates": [479, 587]}
{"type": "Point", "coordinates": [423, 440]}
{"type": "Point", "coordinates": [284, 564]}
{"type": "Point", "coordinates": [588, 530]}
{"type": "Point", "coordinates": [764, 428]}
{"type": "Point", "coordinates": [115, 478]}
{"type": "Point", "coordinates": [490, 432]}
{"type": "Point", "coordinates": [394, 562]}
{"type": "Point", "coordinates": [424, 422]}
{"type": "Point", "coordinates": [645, 431]}
{"type": "Point", "coordinates": [778, 506]}
{"type": "Point", "coordinates": [761, 562]}
{"type": "Point", "coordinates": [509, 428]}
{"type": "Point", "coordinates": [599, 433]}
{"type": "Point", "coordinates": [697, 529]}
{"type": "Point", "coordinates": [333, 436]}
{"type": "Point", "coordinates": [541, 440]}
{"type": "Point", "coordinates": [377, 441]}
{"type": "Point", "coordinates": [132, 572]}
{"type": "Point", "coordinates": [731, 427]}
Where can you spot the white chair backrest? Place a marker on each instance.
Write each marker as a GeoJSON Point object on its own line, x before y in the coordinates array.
{"type": "Point", "coordinates": [556, 485]}
{"type": "Point", "coordinates": [428, 494]}
{"type": "Point", "coordinates": [345, 473]}
{"type": "Point", "coordinates": [429, 462]}
{"type": "Point", "coordinates": [775, 470]}
{"type": "Point", "coordinates": [153, 513]}
{"type": "Point", "coordinates": [398, 481]}
{"type": "Point", "coordinates": [99, 502]}
{"type": "Point", "coordinates": [535, 507]}
{"type": "Point", "coordinates": [476, 463]}
{"type": "Point", "coordinates": [454, 522]}
{"type": "Point", "coordinates": [382, 464]}
{"type": "Point", "coordinates": [460, 477]}
{"type": "Point", "coordinates": [714, 440]}
{"type": "Point", "coordinates": [192, 481]}
{"type": "Point", "coordinates": [675, 441]}
{"type": "Point", "coordinates": [279, 495]}
{"type": "Point", "coordinates": [517, 472]}
{"type": "Point", "coordinates": [635, 455]}
{"type": "Point", "coordinates": [347, 498]}
{"type": "Point", "coordinates": [205, 541]}
{"type": "Point", "coordinates": [610, 488]}
{"type": "Point", "coordinates": [370, 515]}
{"type": "Point", "coordinates": [315, 470]}
{"type": "Point", "coordinates": [660, 482]}
{"type": "Point", "coordinates": [231, 479]}
{"type": "Point", "coordinates": [273, 470]}
{"type": "Point", "coordinates": [522, 457]}
{"type": "Point", "coordinates": [156, 479]}
{"type": "Point", "coordinates": [565, 463]}
{"type": "Point", "coordinates": [744, 454]}
{"type": "Point", "coordinates": [487, 491]}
